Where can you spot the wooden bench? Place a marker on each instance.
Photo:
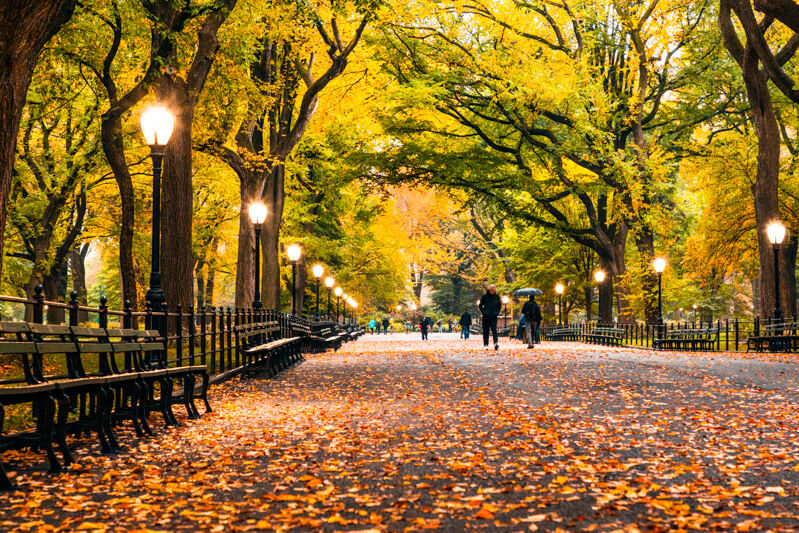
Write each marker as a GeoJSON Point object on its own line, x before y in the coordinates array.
{"type": "Point", "coordinates": [694, 339]}
{"type": "Point", "coordinates": [260, 345]}
{"type": "Point", "coordinates": [778, 337]}
{"type": "Point", "coordinates": [605, 336]}
{"type": "Point", "coordinates": [327, 337]}
{"type": "Point", "coordinates": [564, 334]}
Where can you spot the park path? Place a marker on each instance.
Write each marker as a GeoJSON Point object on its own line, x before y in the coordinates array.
{"type": "Point", "coordinates": [395, 434]}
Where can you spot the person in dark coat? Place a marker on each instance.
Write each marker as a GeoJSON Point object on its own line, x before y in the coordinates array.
{"type": "Point", "coordinates": [532, 317]}
{"type": "Point", "coordinates": [490, 306]}
{"type": "Point", "coordinates": [423, 325]}
{"type": "Point", "coordinates": [385, 325]}
{"type": "Point", "coordinates": [466, 323]}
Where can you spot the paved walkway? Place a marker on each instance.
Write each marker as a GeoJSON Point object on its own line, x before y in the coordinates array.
{"type": "Point", "coordinates": [393, 434]}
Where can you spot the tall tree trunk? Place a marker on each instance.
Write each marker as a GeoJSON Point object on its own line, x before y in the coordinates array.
{"type": "Point", "coordinates": [250, 190]}
{"type": "Point", "coordinates": [645, 243]}
{"type": "Point", "coordinates": [177, 201]}
{"type": "Point", "coordinates": [77, 263]}
{"type": "Point", "coordinates": [114, 149]}
{"type": "Point", "coordinates": [765, 187]}
{"type": "Point", "coordinates": [25, 27]}
{"type": "Point", "coordinates": [209, 287]}
{"type": "Point", "coordinates": [274, 198]}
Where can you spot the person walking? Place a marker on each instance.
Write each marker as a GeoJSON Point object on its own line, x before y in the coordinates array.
{"type": "Point", "coordinates": [407, 327]}
{"type": "Point", "coordinates": [423, 324]}
{"type": "Point", "coordinates": [490, 306]}
{"type": "Point", "coordinates": [466, 324]}
{"type": "Point", "coordinates": [372, 326]}
{"type": "Point", "coordinates": [532, 316]}
{"type": "Point", "coordinates": [385, 325]}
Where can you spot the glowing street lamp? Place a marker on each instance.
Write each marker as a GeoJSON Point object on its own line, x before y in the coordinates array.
{"type": "Point", "coordinates": [329, 282]}
{"type": "Point", "coordinates": [599, 276]}
{"type": "Point", "coordinates": [318, 270]}
{"type": "Point", "coordinates": [559, 290]}
{"type": "Point", "coordinates": [257, 213]}
{"type": "Point", "coordinates": [294, 252]}
{"type": "Point", "coordinates": [659, 265]}
{"type": "Point", "coordinates": [338, 292]}
{"type": "Point", "coordinates": [157, 124]}
{"type": "Point", "coordinates": [776, 232]}
{"type": "Point", "coordinates": [505, 301]}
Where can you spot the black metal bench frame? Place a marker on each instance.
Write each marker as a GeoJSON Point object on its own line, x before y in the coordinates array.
{"type": "Point", "coordinates": [693, 339]}
{"type": "Point", "coordinates": [564, 334]}
{"type": "Point", "coordinates": [781, 337]}
{"type": "Point", "coordinates": [605, 336]}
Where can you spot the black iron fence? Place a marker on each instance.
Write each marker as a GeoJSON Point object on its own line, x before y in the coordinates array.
{"type": "Point", "coordinates": [732, 334]}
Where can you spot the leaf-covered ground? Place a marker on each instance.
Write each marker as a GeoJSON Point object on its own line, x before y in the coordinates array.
{"type": "Point", "coordinates": [393, 434]}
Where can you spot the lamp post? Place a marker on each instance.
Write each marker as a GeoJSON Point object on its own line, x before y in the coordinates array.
{"type": "Point", "coordinates": [413, 310]}
{"type": "Point", "coordinates": [599, 276]}
{"type": "Point", "coordinates": [257, 216]}
{"type": "Point", "coordinates": [694, 312]}
{"type": "Point", "coordinates": [294, 252]}
{"type": "Point", "coordinates": [505, 301]}
{"type": "Point", "coordinates": [559, 290]}
{"type": "Point", "coordinates": [659, 265]}
{"type": "Point", "coordinates": [338, 293]}
{"type": "Point", "coordinates": [344, 299]}
{"type": "Point", "coordinates": [329, 282]}
{"type": "Point", "coordinates": [318, 270]}
{"type": "Point", "coordinates": [776, 234]}
{"type": "Point", "coordinates": [354, 308]}
{"type": "Point", "coordinates": [157, 124]}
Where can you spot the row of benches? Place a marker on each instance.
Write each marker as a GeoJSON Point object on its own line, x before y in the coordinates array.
{"type": "Point", "coordinates": [696, 339]}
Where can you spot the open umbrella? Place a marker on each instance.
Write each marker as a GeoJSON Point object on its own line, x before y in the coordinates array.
{"type": "Point", "coordinates": [527, 291]}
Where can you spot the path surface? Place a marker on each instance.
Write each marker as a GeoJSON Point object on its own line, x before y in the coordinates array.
{"type": "Point", "coordinates": [393, 434]}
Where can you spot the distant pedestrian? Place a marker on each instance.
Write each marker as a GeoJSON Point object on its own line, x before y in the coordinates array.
{"type": "Point", "coordinates": [424, 323]}
{"type": "Point", "coordinates": [532, 317]}
{"type": "Point", "coordinates": [407, 327]}
{"type": "Point", "coordinates": [372, 327]}
{"type": "Point", "coordinates": [377, 326]}
{"type": "Point", "coordinates": [449, 324]}
{"type": "Point", "coordinates": [490, 306]}
{"type": "Point", "coordinates": [385, 326]}
{"type": "Point", "coordinates": [466, 324]}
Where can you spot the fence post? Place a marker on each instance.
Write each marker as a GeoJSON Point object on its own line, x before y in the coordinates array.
{"type": "Point", "coordinates": [203, 339]}
{"type": "Point", "coordinates": [179, 332]}
{"type": "Point", "coordinates": [231, 349]}
{"type": "Point", "coordinates": [718, 335]}
{"type": "Point", "coordinates": [38, 305]}
{"type": "Point", "coordinates": [727, 334]}
{"type": "Point", "coordinates": [73, 308]}
{"type": "Point", "coordinates": [102, 315]}
{"type": "Point", "coordinates": [213, 340]}
{"type": "Point", "coordinates": [736, 333]}
{"type": "Point", "coordinates": [192, 335]}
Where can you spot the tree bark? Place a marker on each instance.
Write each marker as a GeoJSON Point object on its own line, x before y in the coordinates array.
{"type": "Point", "coordinates": [274, 198]}
{"type": "Point", "coordinates": [25, 27]}
{"type": "Point", "coordinates": [77, 264]}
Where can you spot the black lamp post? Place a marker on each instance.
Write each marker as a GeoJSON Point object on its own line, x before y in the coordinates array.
{"type": "Point", "coordinates": [294, 252]}
{"type": "Point", "coordinates": [329, 282]}
{"type": "Point", "coordinates": [338, 292]}
{"type": "Point", "coordinates": [157, 124]}
{"type": "Point", "coordinates": [318, 270]}
{"type": "Point", "coordinates": [505, 301]}
{"type": "Point", "coordinates": [599, 276]}
{"type": "Point", "coordinates": [257, 217]}
{"type": "Point", "coordinates": [559, 290]}
{"type": "Point", "coordinates": [776, 234]}
{"type": "Point", "coordinates": [660, 265]}
{"type": "Point", "coordinates": [344, 299]}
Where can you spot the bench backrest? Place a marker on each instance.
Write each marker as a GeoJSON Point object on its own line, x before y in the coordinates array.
{"type": "Point", "coordinates": [609, 332]}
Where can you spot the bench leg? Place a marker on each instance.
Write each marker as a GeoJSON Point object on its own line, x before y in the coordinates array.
{"type": "Point", "coordinates": [141, 407]}
{"type": "Point", "coordinates": [105, 447]}
{"type": "Point", "coordinates": [135, 394]}
{"type": "Point", "coordinates": [204, 393]}
{"type": "Point", "coordinates": [166, 402]}
{"type": "Point", "coordinates": [61, 428]}
{"type": "Point", "coordinates": [5, 483]}
{"type": "Point", "coordinates": [48, 412]}
{"type": "Point", "coordinates": [188, 396]}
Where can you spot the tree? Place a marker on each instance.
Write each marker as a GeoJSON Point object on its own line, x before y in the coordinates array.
{"type": "Point", "coordinates": [765, 187]}
{"type": "Point", "coordinates": [277, 114]}
{"type": "Point", "coordinates": [582, 156]}
{"type": "Point", "coordinates": [25, 27]}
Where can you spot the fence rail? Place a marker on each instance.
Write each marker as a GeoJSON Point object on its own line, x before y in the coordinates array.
{"type": "Point", "coordinates": [732, 334]}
